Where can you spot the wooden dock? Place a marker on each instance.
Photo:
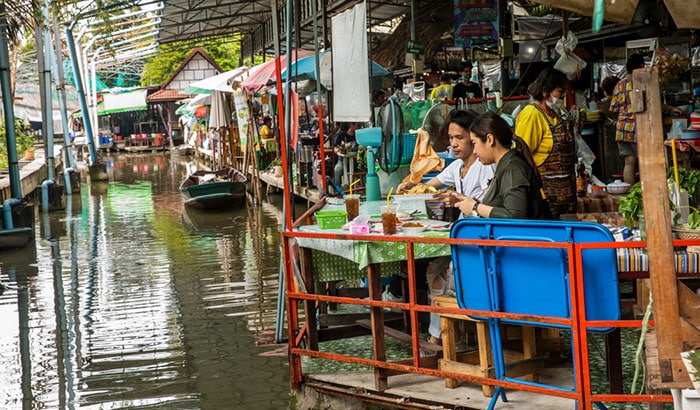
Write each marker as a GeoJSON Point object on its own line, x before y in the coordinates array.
{"type": "Point", "coordinates": [277, 182]}
{"type": "Point", "coordinates": [414, 391]}
{"type": "Point", "coordinates": [32, 173]}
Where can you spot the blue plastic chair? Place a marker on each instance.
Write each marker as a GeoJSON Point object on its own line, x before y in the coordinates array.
{"type": "Point", "coordinates": [531, 281]}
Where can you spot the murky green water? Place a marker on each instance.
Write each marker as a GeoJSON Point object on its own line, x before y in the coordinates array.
{"type": "Point", "coordinates": [135, 303]}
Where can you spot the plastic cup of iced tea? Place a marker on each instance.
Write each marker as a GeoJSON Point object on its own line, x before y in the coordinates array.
{"type": "Point", "coordinates": [389, 219]}
{"type": "Point", "coordinates": [352, 206]}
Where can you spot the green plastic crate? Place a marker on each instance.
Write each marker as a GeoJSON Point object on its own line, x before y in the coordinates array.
{"type": "Point", "coordinates": [331, 219]}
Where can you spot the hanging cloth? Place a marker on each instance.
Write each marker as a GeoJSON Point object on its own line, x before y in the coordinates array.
{"type": "Point", "coordinates": [425, 159]}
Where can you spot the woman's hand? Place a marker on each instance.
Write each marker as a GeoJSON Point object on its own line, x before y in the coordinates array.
{"type": "Point", "coordinates": [404, 186]}
{"type": "Point", "coordinates": [445, 196]}
{"type": "Point", "coordinates": [450, 198]}
{"type": "Point", "coordinates": [466, 204]}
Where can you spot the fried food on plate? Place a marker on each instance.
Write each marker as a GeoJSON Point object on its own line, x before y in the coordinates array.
{"type": "Point", "coordinates": [421, 189]}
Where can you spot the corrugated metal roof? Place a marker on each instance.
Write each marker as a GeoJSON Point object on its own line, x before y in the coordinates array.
{"type": "Point", "coordinates": [185, 20]}
{"type": "Point", "coordinates": [167, 95]}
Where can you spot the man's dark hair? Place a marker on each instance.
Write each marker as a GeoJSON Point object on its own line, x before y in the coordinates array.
{"type": "Point", "coordinates": [466, 65]}
{"type": "Point", "coordinates": [609, 84]}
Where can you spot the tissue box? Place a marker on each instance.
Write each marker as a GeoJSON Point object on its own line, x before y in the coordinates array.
{"type": "Point", "coordinates": [359, 228]}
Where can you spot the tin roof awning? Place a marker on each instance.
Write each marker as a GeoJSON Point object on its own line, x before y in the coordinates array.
{"type": "Point", "coordinates": [185, 20]}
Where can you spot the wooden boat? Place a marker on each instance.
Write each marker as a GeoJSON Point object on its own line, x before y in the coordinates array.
{"type": "Point", "coordinates": [220, 189]}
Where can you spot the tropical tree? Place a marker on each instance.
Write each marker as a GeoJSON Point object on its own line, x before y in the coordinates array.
{"type": "Point", "coordinates": [225, 51]}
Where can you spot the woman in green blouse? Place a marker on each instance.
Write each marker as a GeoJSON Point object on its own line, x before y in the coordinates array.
{"type": "Point", "coordinates": [516, 188]}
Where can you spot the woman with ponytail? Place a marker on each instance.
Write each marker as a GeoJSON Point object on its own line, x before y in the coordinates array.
{"type": "Point", "coordinates": [516, 188]}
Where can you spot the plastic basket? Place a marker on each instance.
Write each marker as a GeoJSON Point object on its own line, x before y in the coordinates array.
{"type": "Point", "coordinates": [409, 145]}
{"type": "Point", "coordinates": [686, 233]}
{"type": "Point", "coordinates": [331, 219]}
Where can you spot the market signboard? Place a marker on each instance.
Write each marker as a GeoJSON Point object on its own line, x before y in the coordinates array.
{"type": "Point", "coordinates": [476, 23]}
{"type": "Point", "coordinates": [242, 114]}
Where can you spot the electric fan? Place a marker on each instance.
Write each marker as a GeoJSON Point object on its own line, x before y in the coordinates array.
{"type": "Point", "coordinates": [434, 124]}
{"type": "Point", "coordinates": [390, 120]}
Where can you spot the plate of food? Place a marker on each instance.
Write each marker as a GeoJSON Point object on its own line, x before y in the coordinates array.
{"type": "Point", "coordinates": [412, 228]}
{"type": "Point", "coordinates": [418, 192]}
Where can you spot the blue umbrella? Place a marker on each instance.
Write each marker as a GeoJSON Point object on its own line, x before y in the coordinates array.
{"type": "Point", "coordinates": [305, 68]}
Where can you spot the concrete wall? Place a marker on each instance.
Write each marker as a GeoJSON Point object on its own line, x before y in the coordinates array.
{"type": "Point", "coordinates": [32, 173]}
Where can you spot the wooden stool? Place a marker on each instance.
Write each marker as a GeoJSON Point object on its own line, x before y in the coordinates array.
{"type": "Point", "coordinates": [480, 362]}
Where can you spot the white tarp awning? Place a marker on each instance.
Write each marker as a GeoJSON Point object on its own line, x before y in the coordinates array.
{"type": "Point", "coordinates": [123, 101]}
{"type": "Point", "coordinates": [219, 82]}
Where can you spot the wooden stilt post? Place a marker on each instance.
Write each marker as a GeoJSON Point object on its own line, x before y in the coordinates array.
{"type": "Point", "coordinates": [646, 104]}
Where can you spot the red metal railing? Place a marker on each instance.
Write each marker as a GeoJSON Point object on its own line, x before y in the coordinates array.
{"type": "Point", "coordinates": [578, 323]}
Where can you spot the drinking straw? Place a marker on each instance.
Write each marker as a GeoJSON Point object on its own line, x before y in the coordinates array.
{"type": "Point", "coordinates": [675, 163]}
{"type": "Point", "coordinates": [388, 197]}
{"type": "Point", "coordinates": [353, 183]}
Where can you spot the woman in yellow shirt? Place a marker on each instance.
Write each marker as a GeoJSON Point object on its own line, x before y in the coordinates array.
{"type": "Point", "coordinates": [550, 141]}
{"type": "Point", "coordinates": [267, 136]}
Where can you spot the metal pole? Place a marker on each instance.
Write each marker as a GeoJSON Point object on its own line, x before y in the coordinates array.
{"type": "Point", "coordinates": [321, 140]}
{"type": "Point", "coordinates": [5, 87]}
{"type": "Point", "coordinates": [288, 106]}
{"type": "Point", "coordinates": [93, 85]}
{"type": "Point", "coordinates": [81, 93]}
{"type": "Point", "coordinates": [279, 324]}
{"type": "Point", "coordinates": [275, 28]}
{"type": "Point", "coordinates": [414, 24]}
{"type": "Point", "coordinates": [60, 84]}
{"type": "Point", "coordinates": [44, 53]}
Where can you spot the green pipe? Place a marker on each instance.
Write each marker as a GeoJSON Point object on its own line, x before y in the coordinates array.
{"type": "Point", "coordinates": [13, 159]}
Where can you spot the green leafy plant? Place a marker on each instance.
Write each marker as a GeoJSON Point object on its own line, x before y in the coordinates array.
{"type": "Point", "coordinates": [25, 140]}
{"type": "Point", "coordinates": [689, 180]}
{"type": "Point", "coordinates": [631, 205]}
{"type": "Point", "coordinates": [694, 219]}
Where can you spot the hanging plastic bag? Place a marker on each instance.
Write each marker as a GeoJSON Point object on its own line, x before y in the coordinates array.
{"type": "Point", "coordinates": [569, 63]}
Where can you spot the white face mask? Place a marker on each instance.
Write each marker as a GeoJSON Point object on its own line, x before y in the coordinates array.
{"type": "Point", "coordinates": [556, 103]}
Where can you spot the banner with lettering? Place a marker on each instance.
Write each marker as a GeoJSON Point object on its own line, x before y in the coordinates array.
{"type": "Point", "coordinates": [476, 23]}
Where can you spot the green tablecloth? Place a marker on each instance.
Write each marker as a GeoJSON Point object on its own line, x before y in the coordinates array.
{"type": "Point", "coordinates": [345, 259]}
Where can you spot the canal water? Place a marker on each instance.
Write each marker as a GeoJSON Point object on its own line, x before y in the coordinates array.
{"type": "Point", "coordinates": [128, 300]}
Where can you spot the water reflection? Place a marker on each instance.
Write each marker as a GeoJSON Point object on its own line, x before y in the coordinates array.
{"type": "Point", "coordinates": [128, 300]}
